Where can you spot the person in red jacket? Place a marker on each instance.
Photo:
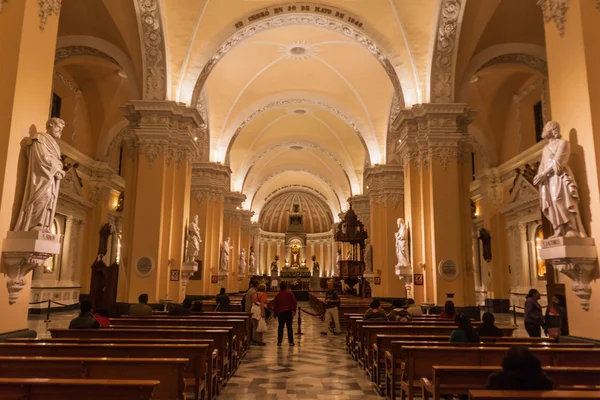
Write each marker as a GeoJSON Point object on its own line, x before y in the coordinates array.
{"type": "Point", "coordinates": [284, 306]}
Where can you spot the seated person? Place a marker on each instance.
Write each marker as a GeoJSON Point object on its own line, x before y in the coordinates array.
{"type": "Point", "coordinates": [142, 309]}
{"type": "Point", "coordinates": [102, 317]}
{"type": "Point", "coordinates": [465, 332]}
{"type": "Point", "coordinates": [521, 370]}
{"type": "Point", "coordinates": [85, 320]}
{"type": "Point", "coordinates": [222, 301]}
{"type": "Point", "coordinates": [197, 306]}
{"type": "Point", "coordinates": [488, 329]}
{"type": "Point", "coordinates": [398, 313]}
{"type": "Point", "coordinates": [413, 309]}
{"type": "Point", "coordinates": [449, 310]}
{"type": "Point", "coordinates": [375, 312]}
{"type": "Point", "coordinates": [183, 309]}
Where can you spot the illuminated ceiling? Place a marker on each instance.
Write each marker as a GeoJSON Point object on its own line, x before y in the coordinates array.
{"type": "Point", "coordinates": [301, 96]}
{"type": "Point", "coordinates": [317, 216]}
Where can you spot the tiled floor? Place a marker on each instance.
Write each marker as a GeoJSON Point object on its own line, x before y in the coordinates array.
{"type": "Point", "coordinates": [318, 367]}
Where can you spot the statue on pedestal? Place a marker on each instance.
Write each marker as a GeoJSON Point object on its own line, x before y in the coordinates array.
{"type": "Point", "coordinates": [194, 240]}
{"type": "Point", "coordinates": [44, 173]}
{"type": "Point", "coordinates": [242, 263]}
{"type": "Point", "coordinates": [252, 262]}
{"type": "Point", "coordinates": [274, 267]}
{"type": "Point", "coordinates": [368, 257]}
{"type": "Point", "coordinates": [559, 196]}
{"type": "Point", "coordinates": [316, 267]}
{"type": "Point", "coordinates": [225, 248]}
{"type": "Point", "coordinates": [401, 240]}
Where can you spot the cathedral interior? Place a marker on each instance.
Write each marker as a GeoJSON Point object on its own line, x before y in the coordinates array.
{"type": "Point", "coordinates": [392, 148]}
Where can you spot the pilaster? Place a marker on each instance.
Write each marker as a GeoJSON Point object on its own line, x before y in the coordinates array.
{"type": "Point", "coordinates": [384, 186]}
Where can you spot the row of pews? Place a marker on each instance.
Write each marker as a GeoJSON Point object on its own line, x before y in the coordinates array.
{"type": "Point", "coordinates": [160, 357]}
{"type": "Point", "coordinates": [415, 359]}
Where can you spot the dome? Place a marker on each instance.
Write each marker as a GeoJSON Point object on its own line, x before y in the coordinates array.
{"type": "Point", "coordinates": [317, 215]}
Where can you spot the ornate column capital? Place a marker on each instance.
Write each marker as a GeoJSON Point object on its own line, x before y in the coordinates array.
{"type": "Point", "coordinates": [210, 181]}
{"type": "Point", "coordinates": [384, 185]}
{"type": "Point", "coordinates": [169, 128]}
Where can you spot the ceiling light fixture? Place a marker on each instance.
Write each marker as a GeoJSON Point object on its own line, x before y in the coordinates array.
{"type": "Point", "coordinates": [298, 50]}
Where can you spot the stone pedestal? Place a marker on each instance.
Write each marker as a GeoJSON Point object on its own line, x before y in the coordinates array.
{"type": "Point", "coordinates": [22, 252]}
{"type": "Point", "coordinates": [187, 270]}
{"type": "Point", "coordinates": [315, 283]}
{"type": "Point", "coordinates": [577, 259]}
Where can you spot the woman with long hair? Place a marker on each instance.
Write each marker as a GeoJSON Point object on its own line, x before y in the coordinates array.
{"type": "Point", "coordinates": [465, 332]}
{"type": "Point", "coordinates": [534, 319]}
{"type": "Point", "coordinates": [449, 310]}
{"type": "Point", "coordinates": [521, 370]}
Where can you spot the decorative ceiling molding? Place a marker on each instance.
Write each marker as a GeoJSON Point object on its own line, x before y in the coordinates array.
{"type": "Point", "coordinates": [556, 10]}
{"type": "Point", "coordinates": [77, 91]}
{"type": "Point", "coordinates": [288, 188]}
{"type": "Point", "coordinates": [318, 216]}
{"type": "Point", "coordinates": [444, 53]}
{"type": "Point", "coordinates": [304, 101]}
{"type": "Point", "coordinates": [154, 52]}
{"type": "Point", "coordinates": [307, 18]}
{"type": "Point", "coordinates": [47, 8]}
{"type": "Point", "coordinates": [530, 61]}
{"type": "Point", "coordinates": [64, 53]}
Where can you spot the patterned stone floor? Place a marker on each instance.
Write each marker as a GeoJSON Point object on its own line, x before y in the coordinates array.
{"type": "Point", "coordinates": [318, 367]}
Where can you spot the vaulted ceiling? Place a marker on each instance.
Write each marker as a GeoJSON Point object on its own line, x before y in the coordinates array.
{"type": "Point", "coordinates": [299, 94]}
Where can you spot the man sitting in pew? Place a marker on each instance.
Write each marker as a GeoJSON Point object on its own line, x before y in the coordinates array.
{"type": "Point", "coordinates": [488, 329]}
{"type": "Point", "coordinates": [375, 312]}
{"type": "Point", "coordinates": [521, 370]}
{"type": "Point", "coordinates": [399, 313]}
{"type": "Point", "coordinates": [182, 310]}
{"type": "Point", "coordinates": [142, 309]}
{"type": "Point", "coordinates": [86, 319]}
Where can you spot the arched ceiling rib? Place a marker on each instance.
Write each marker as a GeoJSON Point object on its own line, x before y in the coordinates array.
{"type": "Point", "coordinates": [317, 215]}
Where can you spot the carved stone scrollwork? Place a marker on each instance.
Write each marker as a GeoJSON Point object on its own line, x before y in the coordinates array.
{"type": "Point", "coordinates": [154, 63]}
{"type": "Point", "coordinates": [17, 266]}
{"type": "Point", "coordinates": [151, 150]}
{"type": "Point", "coordinates": [581, 272]}
{"type": "Point", "coordinates": [444, 153]}
{"type": "Point", "coordinates": [47, 8]}
{"type": "Point", "coordinates": [556, 10]}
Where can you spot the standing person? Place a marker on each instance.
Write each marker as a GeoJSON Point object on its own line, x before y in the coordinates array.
{"type": "Point", "coordinates": [332, 312]}
{"type": "Point", "coordinates": [488, 329]}
{"type": "Point", "coordinates": [465, 332]}
{"type": "Point", "coordinates": [374, 312]}
{"type": "Point", "coordinates": [556, 319]}
{"type": "Point", "coordinates": [259, 304]}
{"type": "Point", "coordinates": [248, 302]}
{"type": "Point", "coordinates": [85, 320]}
{"type": "Point", "coordinates": [534, 319]}
{"type": "Point", "coordinates": [521, 370]}
{"type": "Point", "coordinates": [413, 309]}
{"type": "Point", "coordinates": [284, 306]}
{"type": "Point", "coordinates": [449, 310]}
{"type": "Point", "coordinates": [142, 309]}
{"type": "Point", "coordinates": [222, 301]}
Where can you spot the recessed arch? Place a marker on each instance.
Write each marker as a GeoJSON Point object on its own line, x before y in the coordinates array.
{"type": "Point", "coordinates": [307, 18]}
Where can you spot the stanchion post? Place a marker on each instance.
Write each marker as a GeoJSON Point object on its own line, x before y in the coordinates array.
{"type": "Point", "coordinates": [48, 312]}
{"type": "Point", "coordinates": [299, 333]}
{"type": "Point", "coordinates": [514, 315]}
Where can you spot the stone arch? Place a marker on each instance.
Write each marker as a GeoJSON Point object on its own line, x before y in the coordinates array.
{"type": "Point", "coordinates": [530, 55]}
{"type": "Point", "coordinates": [154, 50]}
{"type": "Point", "coordinates": [306, 18]}
{"type": "Point", "coordinates": [81, 46]}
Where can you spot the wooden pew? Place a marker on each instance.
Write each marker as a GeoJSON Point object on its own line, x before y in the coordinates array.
{"type": "Point", "coordinates": [222, 338]}
{"type": "Point", "coordinates": [169, 371]}
{"type": "Point", "coordinates": [384, 343]}
{"type": "Point", "coordinates": [418, 361]}
{"type": "Point", "coordinates": [210, 305]}
{"type": "Point", "coordinates": [89, 389]}
{"type": "Point", "coordinates": [532, 395]}
{"type": "Point", "coordinates": [199, 376]}
{"type": "Point", "coordinates": [449, 380]}
{"type": "Point", "coordinates": [239, 326]}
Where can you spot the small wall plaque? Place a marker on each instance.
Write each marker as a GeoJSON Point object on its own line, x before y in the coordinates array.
{"type": "Point", "coordinates": [144, 266]}
{"type": "Point", "coordinates": [418, 279]}
{"type": "Point", "coordinates": [448, 270]}
{"type": "Point", "coordinates": [175, 275]}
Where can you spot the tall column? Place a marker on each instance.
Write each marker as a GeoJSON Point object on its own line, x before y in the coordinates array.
{"type": "Point", "coordinates": [573, 65]}
{"type": "Point", "coordinates": [246, 243]}
{"type": "Point", "coordinates": [437, 196]}
{"type": "Point", "coordinates": [386, 194]}
{"type": "Point", "coordinates": [210, 181]}
{"type": "Point", "coordinates": [232, 228]}
{"type": "Point", "coordinates": [26, 71]}
{"type": "Point", "coordinates": [164, 133]}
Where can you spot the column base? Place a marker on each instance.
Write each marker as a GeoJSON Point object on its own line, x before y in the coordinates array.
{"type": "Point", "coordinates": [22, 252]}
{"type": "Point", "coordinates": [577, 258]}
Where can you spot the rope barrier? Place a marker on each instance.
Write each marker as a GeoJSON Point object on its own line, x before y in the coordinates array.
{"type": "Point", "coordinates": [320, 315]}
{"type": "Point", "coordinates": [49, 302]}
{"type": "Point", "coordinates": [299, 333]}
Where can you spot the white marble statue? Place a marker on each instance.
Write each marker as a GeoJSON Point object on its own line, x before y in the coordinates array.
{"type": "Point", "coordinates": [194, 240]}
{"type": "Point", "coordinates": [44, 173]}
{"type": "Point", "coordinates": [368, 257]}
{"type": "Point", "coordinates": [252, 263]}
{"type": "Point", "coordinates": [338, 263]}
{"type": "Point", "coordinates": [242, 263]}
{"type": "Point", "coordinates": [559, 197]}
{"type": "Point", "coordinates": [225, 249]}
{"type": "Point", "coordinates": [401, 240]}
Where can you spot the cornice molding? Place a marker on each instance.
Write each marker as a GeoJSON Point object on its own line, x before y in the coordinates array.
{"type": "Point", "coordinates": [48, 8]}
{"type": "Point", "coordinates": [153, 48]}
{"type": "Point", "coordinates": [556, 11]}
